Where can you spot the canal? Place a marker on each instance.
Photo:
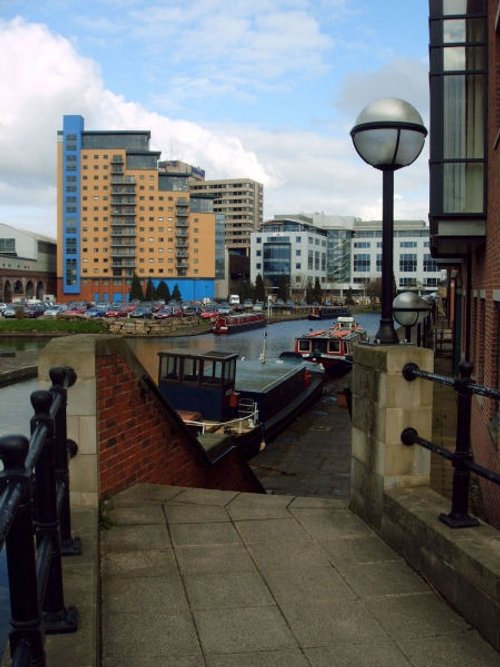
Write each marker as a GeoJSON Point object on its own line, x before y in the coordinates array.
{"type": "Point", "coordinates": [310, 458]}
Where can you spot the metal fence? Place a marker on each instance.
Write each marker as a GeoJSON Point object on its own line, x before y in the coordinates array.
{"type": "Point", "coordinates": [35, 523]}
{"type": "Point", "coordinates": [461, 458]}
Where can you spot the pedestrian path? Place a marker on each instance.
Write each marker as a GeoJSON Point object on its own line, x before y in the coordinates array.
{"type": "Point", "coordinates": [208, 578]}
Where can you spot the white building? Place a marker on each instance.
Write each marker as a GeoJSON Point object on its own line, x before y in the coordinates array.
{"type": "Point", "coordinates": [344, 253]}
{"type": "Point", "coordinates": [289, 247]}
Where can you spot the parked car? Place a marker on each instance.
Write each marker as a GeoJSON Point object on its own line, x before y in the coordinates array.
{"type": "Point", "coordinates": [146, 312]}
{"type": "Point", "coordinates": [164, 313]}
{"type": "Point", "coordinates": [35, 310]}
{"type": "Point", "coordinates": [96, 311]}
{"type": "Point", "coordinates": [55, 310]}
{"type": "Point", "coordinates": [224, 309]}
{"type": "Point", "coordinates": [3, 306]}
{"type": "Point", "coordinates": [191, 311]}
{"type": "Point", "coordinates": [14, 310]}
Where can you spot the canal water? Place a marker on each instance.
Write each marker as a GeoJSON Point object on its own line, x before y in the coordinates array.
{"type": "Point", "coordinates": [16, 410]}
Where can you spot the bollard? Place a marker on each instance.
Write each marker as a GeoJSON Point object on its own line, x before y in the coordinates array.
{"type": "Point", "coordinates": [27, 632]}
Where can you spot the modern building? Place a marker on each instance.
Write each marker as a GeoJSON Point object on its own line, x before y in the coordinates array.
{"type": "Point", "coordinates": [241, 201]}
{"type": "Point", "coordinates": [119, 214]}
{"type": "Point", "coordinates": [289, 248]}
{"type": "Point", "coordinates": [465, 200]}
{"type": "Point", "coordinates": [27, 265]}
{"type": "Point", "coordinates": [343, 253]}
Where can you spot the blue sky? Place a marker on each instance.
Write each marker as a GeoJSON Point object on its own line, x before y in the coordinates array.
{"type": "Point", "coordinates": [267, 89]}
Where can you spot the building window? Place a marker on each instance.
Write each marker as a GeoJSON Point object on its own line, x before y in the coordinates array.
{"type": "Point", "coordinates": [408, 263]}
{"type": "Point", "coordinates": [430, 264]}
{"type": "Point", "coordinates": [361, 262]}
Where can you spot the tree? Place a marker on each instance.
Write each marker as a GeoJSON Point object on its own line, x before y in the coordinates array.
{"type": "Point", "coordinates": [349, 301]}
{"type": "Point", "coordinates": [309, 293]}
{"type": "Point", "coordinates": [149, 290]}
{"type": "Point", "coordinates": [260, 292]}
{"type": "Point", "coordinates": [283, 286]}
{"type": "Point", "coordinates": [136, 289]}
{"type": "Point", "coordinates": [317, 291]}
{"type": "Point", "coordinates": [162, 292]}
{"type": "Point", "coordinates": [373, 290]}
{"type": "Point", "coordinates": [176, 293]}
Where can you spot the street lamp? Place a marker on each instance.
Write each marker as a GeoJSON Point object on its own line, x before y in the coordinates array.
{"type": "Point", "coordinates": [388, 134]}
{"type": "Point", "coordinates": [408, 308]}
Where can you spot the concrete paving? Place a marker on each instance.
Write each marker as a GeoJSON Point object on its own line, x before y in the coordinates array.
{"type": "Point", "coordinates": [204, 578]}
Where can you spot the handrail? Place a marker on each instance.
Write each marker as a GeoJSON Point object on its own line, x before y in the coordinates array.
{"type": "Point", "coordinates": [211, 426]}
{"type": "Point", "coordinates": [35, 522]}
{"type": "Point", "coordinates": [461, 458]}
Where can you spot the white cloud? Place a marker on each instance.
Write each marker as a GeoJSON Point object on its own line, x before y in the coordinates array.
{"type": "Point", "coordinates": [42, 78]}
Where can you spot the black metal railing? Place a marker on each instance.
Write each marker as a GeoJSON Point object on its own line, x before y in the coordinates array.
{"type": "Point", "coordinates": [461, 458]}
{"type": "Point", "coordinates": [35, 523]}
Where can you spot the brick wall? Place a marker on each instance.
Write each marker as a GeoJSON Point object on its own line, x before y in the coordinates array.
{"type": "Point", "coordinates": [139, 440]}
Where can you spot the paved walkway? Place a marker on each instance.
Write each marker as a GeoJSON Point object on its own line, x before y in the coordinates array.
{"type": "Point", "coordinates": [205, 578]}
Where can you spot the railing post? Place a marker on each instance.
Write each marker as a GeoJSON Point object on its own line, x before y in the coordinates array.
{"type": "Point", "coordinates": [26, 617]}
{"type": "Point", "coordinates": [459, 517]}
{"type": "Point", "coordinates": [57, 619]}
{"type": "Point", "coordinates": [70, 546]}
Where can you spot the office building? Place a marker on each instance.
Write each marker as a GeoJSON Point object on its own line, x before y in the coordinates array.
{"type": "Point", "coordinates": [343, 253]}
{"type": "Point", "coordinates": [120, 215]}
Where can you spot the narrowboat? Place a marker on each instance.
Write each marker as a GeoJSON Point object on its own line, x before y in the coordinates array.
{"type": "Point", "coordinates": [230, 401]}
{"type": "Point", "coordinates": [331, 347]}
{"type": "Point", "coordinates": [328, 312]}
{"type": "Point", "coordinates": [226, 324]}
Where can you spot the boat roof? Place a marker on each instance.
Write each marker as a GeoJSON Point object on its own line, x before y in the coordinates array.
{"type": "Point", "coordinates": [212, 355]}
{"type": "Point", "coordinates": [252, 375]}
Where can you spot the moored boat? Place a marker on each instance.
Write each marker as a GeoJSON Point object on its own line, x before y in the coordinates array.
{"type": "Point", "coordinates": [328, 312]}
{"type": "Point", "coordinates": [231, 402]}
{"type": "Point", "coordinates": [225, 324]}
{"type": "Point", "coordinates": [331, 347]}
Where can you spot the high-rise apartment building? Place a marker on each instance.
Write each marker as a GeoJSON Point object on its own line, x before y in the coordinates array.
{"type": "Point", "coordinates": [241, 200]}
{"type": "Point", "coordinates": [120, 215]}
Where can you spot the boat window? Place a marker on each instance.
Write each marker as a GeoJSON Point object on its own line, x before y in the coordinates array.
{"type": "Point", "coordinates": [169, 368]}
{"type": "Point", "coordinates": [304, 345]}
{"type": "Point", "coordinates": [212, 371]}
{"type": "Point", "coordinates": [230, 370]}
{"type": "Point", "coordinates": [191, 370]}
{"type": "Point", "coordinates": [334, 346]}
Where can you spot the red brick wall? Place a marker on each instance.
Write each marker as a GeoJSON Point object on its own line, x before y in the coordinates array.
{"type": "Point", "coordinates": [139, 440]}
{"type": "Point", "coordinates": [486, 279]}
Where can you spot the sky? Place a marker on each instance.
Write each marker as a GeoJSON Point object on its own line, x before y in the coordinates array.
{"type": "Point", "coordinates": [263, 89]}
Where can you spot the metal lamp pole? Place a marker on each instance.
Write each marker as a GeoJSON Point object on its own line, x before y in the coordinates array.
{"type": "Point", "coordinates": [388, 134]}
{"type": "Point", "coordinates": [386, 333]}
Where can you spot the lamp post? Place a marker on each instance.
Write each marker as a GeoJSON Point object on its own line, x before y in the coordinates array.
{"type": "Point", "coordinates": [388, 134]}
{"type": "Point", "coordinates": [407, 308]}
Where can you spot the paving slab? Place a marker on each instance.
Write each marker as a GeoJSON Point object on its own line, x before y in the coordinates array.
{"type": "Point", "coordinates": [255, 580]}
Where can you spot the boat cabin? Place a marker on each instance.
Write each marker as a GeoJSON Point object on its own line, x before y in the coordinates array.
{"type": "Point", "coordinates": [199, 382]}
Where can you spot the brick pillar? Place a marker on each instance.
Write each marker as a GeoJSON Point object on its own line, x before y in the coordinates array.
{"type": "Point", "coordinates": [384, 404]}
